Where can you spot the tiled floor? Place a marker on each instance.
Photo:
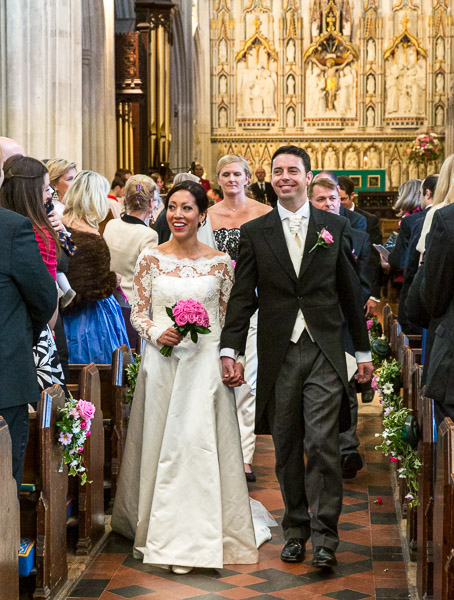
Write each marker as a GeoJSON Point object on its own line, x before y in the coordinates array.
{"type": "Point", "coordinates": [370, 562]}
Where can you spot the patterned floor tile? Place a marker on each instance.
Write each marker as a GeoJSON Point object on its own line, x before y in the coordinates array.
{"type": "Point", "coordinates": [370, 560]}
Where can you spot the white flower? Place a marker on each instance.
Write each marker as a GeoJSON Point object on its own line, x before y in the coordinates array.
{"type": "Point", "coordinates": [388, 443]}
{"type": "Point", "coordinates": [76, 429]}
{"type": "Point", "coordinates": [387, 388]}
{"type": "Point", "coordinates": [73, 463]}
{"type": "Point", "coordinates": [409, 497]}
{"type": "Point", "coordinates": [384, 434]}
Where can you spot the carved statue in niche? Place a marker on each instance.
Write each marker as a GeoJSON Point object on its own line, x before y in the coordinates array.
{"type": "Point", "coordinates": [373, 158]}
{"type": "Point", "coordinates": [417, 87]}
{"type": "Point", "coordinates": [223, 118]}
{"type": "Point", "coordinates": [315, 87]}
{"type": "Point", "coordinates": [370, 50]}
{"type": "Point", "coordinates": [291, 51]}
{"type": "Point", "coordinates": [439, 83]}
{"type": "Point", "coordinates": [345, 105]}
{"type": "Point", "coordinates": [222, 51]}
{"type": "Point", "coordinates": [290, 85]}
{"type": "Point", "coordinates": [440, 49]}
{"type": "Point", "coordinates": [370, 85]}
{"type": "Point", "coordinates": [331, 82]}
{"type": "Point", "coordinates": [223, 84]}
{"type": "Point", "coordinates": [257, 92]}
{"type": "Point", "coordinates": [330, 159]}
{"type": "Point", "coordinates": [312, 155]}
{"type": "Point", "coordinates": [370, 117]}
{"type": "Point", "coordinates": [413, 171]}
{"type": "Point", "coordinates": [394, 87]}
{"type": "Point", "coordinates": [351, 159]}
{"type": "Point", "coordinates": [291, 117]}
{"type": "Point", "coordinates": [439, 116]}
{"type": "Point", "coordinates": [395, 173]}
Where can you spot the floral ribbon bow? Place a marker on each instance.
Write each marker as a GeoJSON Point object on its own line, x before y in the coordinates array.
{"type": "Point", "coordinates": [324, 240]}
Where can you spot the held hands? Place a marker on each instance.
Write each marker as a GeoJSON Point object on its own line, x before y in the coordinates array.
{"type": "Point", "coordinates": [365, 372]}
{"type": "Point", "coordinates": [170, 337]}
{"type": "Point", "coordinates": [232, 372]}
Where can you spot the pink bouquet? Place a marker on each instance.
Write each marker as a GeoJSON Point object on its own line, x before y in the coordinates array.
{"type": "Point", "coordinates": [190, 317]}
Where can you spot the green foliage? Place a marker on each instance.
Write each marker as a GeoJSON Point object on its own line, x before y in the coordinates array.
{"type": "Point", "coordinates": [132, 370]}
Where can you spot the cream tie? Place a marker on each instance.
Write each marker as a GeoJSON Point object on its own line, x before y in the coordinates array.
{"type": "Point", "coordinates": [294, 222]}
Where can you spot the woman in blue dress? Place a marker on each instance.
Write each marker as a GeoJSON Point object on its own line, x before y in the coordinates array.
{"type": "Point", "coordinates": [94, 325]}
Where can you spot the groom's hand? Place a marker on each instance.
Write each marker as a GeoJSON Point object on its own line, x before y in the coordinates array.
{"type": "Point", "coordinates": [365, 372]}
{"type": "Point", "coordinates": [232, 372]}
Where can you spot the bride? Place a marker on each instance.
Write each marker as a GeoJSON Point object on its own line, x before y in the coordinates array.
{"type": "Point", "coordinates": [182, 495]}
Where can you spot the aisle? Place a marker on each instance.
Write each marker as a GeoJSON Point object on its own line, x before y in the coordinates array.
{"type": "Point", "coordinates": [370, 556]}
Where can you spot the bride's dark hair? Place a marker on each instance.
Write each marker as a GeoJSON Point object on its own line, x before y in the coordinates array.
{"type": "Point", "coordinates": [197, 190]}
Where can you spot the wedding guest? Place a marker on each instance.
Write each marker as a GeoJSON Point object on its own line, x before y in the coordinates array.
{"type": "Point", "coordinates": [182, 496]}
{"type": "Point", "coordinates": [61, 174]}
{"type": "Point", "coordinates": [263, 190]}
{"type": "Point", "coordinates": [199, 172]}
{"type": "Point", "coordinates": [226, 218]}
{"type": "Point", "coordinates": [116, 196]}
{"type": "Point", "coordinates": [25, 191]}
{"type": "Point", "coordinates": [93, 322]}
{"type": "Point", "coordinates": [443, 196]}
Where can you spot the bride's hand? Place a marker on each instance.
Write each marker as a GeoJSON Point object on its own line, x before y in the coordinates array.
{"type": "Point", "coordinates": [170, 337]}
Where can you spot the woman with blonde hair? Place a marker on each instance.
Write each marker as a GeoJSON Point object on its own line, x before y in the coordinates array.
{"type": "Point", "coordinates": [61, 175]}
{"type": "Point", "coordinates": [94, 325]}
{"type": "Point", "coordinates": [444, 195]}
{"type": "Point", "coordinates": [226, 217]}
{"type": "Point", "coordinates": [129, 235]}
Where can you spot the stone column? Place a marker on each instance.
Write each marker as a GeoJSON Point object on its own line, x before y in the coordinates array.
{"type": "Point", "coordinates": [41, 76]}
{"type": "Point", "coordinates": [98, 87]}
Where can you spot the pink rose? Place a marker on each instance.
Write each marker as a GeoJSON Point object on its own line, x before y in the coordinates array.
{"type": "Point", "coordinates": [326, 236]}
{"type": "Point", "coordinates": [86, 409]}
{"type": "Point", "coordinates": [181, 320]}
{"type": "Point", "coordinates": [374, 384]}
{"type": "Point", "coordinates": [192, 317]}
{"type": "Point", "coordinates": [393, 459]}
{"type": "Point", "coordinates": [200, 319]}
{"type": "Point", "coordinates": [88, 433]}
{"type": "Point", "coordinates": [83, 425]}
{"type": "Point", "coordinates": [176, 310]}
{"type": "Point", "coordinates": [370, 323]}
{"type": "Point", "coordinates": [206, 321]}
{"type": "Point", "coordinates": [80, 450]}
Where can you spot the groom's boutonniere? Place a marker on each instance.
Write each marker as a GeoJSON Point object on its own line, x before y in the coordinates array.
{"type": "Point", "coordinates": [324, 240]}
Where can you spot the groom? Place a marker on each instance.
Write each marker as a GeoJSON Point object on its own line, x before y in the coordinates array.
{"type": "Point", "coordinates": [304, 283]}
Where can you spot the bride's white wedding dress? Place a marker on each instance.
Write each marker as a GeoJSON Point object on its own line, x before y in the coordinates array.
{"type": "Point", "coordinates": [182, 494]}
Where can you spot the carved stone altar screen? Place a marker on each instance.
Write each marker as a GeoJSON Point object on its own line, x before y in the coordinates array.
{"type": "Point", "coordinates": [351, 82]}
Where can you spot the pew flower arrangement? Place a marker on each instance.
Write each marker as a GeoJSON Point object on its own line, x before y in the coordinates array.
{"type": "Point", "coordinates": [425, 148]}
{"type": "Point", "coordinates": [132, 370]}
{"type": "Point", "coordinates": [387, 383]}
{"type": "Point", "coordinates": [73, 429]}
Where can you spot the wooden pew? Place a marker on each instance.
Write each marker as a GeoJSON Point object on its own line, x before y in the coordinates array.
{"type": "Point", "coordinates": [91, 495]}
{"type": "Point", "coordinates": [43, 506]}
{"type": "Point", "coordinates": [113, 386]}
{"type": "Point", "coordinates": [9, 511]}
{"type": "Point", "coordinates": [388, 319]}
{"type": "Point", "coordinates": [394, 336]}
{"type": "Point", "coordinates": [120, 360]}
{"type": "Point", "coordinates": [425, 566]}
{"type": "Point", "coordinates": [443, 524]}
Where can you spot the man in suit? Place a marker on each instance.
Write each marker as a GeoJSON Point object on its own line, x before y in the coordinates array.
{"type": "Point", "coordinates": [347, 195]}
{"type": "Point", "coordinates": [263, 190]}
{"type": "Point", "coordinates": [357, 221]}
{"type": "Point", "coordinates": [324, 195]}
{"type": "Point", "coordinates": [437, 293]}
{"type": "Point", "coordinates": [28, 298]}
{"type": "Point", "coordinates": [304, 283]}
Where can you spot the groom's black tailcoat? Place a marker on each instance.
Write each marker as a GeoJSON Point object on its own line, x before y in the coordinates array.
{"type": "Point", "coordinates": [327, 291]}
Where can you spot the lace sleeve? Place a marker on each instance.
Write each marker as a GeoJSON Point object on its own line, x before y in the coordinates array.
{"type": "Point", "coordinates": [140, 302]}
{"type": "Point", "coordinates": [226, 288]}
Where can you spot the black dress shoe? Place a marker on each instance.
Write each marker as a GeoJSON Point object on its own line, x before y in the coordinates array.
{"type": "Point", "coordinates": [250, 477]}
{"type": "Point", "coordinates": [293, 551]}
{"type": "Point", "coordinates": [351, 463]}
{"type": "Point", "coordinates": [324, 558]}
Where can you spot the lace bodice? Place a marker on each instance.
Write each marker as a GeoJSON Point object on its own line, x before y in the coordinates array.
{"type": "Point", "coordinates": [228, 240]}
{"type": "Point", "coordinates": [160, 280]}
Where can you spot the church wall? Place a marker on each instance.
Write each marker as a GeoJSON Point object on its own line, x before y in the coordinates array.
{"type": "Point", "coordinates": [57, 80]}
{"type": "Point", "coordinates": [351, 82]}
